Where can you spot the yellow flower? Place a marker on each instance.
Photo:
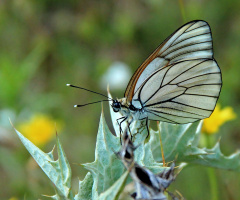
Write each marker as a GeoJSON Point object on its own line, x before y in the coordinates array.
{"type": "Point", "coordinates": [13, 198]}
{"type": "Point", "coordinates": [211, 125]}
{"type": "Point", "coordinates": [40, 129]}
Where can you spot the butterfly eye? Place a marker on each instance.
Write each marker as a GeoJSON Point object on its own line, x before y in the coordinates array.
{"type": "Point", "coordinates": [116, 106]}
{"type": "Point", "coordinates": [132, 108]}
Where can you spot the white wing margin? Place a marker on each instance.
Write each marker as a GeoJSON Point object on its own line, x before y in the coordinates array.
{"type": "Point", "coordinates": [191, 41]}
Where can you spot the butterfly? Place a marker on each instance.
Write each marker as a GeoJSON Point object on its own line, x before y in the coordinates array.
{"type": "Point", "coordinates": [179, 83]}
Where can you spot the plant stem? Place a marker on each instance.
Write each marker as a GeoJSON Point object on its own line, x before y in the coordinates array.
{"type": "Point", "coordinates": [213, 183]}
{"type": "Point", "coordinates": [210, 139]}
{"type": "Point", "coordinates": [181, 5]}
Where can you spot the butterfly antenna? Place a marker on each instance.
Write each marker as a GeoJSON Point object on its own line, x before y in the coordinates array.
{"type": "Point", "coordinates": [70, 85]}
{"type": "Point", "coordinates": [90, 103]}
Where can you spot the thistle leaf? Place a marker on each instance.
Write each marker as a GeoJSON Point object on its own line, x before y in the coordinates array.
{"type": "Point", "coordinates": [59, 172]}
{"type": "Point", "coordinates": [181, 141]}
{"type": "Point", "coordinates": [85, 188]}
{"type": "Point", "coordinates": [114, 191]}
{"type": "Point", "coordinates": [107, 168]}
{"type": "Point", "coordinates": [215, 158]}
{"type": "Point", "coordinates": [177, 140]}
{"type": "Point", "coordinates": [144, 157]}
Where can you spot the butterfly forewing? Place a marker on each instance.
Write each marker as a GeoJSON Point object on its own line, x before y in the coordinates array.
{"type": "Point", "coordinates": [180, 82]}
{"type": "Point", "coordinates": [191, 41]}
{"type": "Point", "coordinates": [132, 83]}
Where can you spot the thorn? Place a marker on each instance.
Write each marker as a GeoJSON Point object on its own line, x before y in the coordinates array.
{"type": "Point", "coordinates": [11, 122]}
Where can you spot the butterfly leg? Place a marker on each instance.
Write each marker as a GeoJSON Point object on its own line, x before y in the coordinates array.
{"type": "Point", "coordinates": [129, 123]}
{"type": "Point", "coordinates": [120, 127]}
{"type": "Point", "coordinates": [119, 124]}
{"type": "Point", "coordinates": [147, 127]}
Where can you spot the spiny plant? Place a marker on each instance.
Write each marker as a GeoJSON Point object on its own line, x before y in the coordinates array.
{"type": "Point", "coordinates": [109, 174]}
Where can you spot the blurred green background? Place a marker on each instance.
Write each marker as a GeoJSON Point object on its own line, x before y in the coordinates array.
{"type": "Point", "coordinates": [46, 44]}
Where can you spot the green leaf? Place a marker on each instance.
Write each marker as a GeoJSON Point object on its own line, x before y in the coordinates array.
{"type": "Point", "coordinates": [33, 60]}
{"type": "Point", "coordinates": [178, 140]}
{"type": "Point", "coordinates": [107, 168]}
{"type": "Point", "coordinates": [114, 191]}
{"type": "Point", "coordinates": [144, 157]}
{"type": "Point", "coordinates": [215, 158]}
{"type": "Point", "coordinates": [59, 172]}
{"type": "Point", "coordinates": [64, 168]}
{"type": "Point", "coordinates": [11, 86]}
{"type": "Point", "coordinates": [85, 188]}
{"type": "Point", "coordinates": [181, 142]}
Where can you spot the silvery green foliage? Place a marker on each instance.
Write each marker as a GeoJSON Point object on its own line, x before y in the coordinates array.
{"type": "Point", "coordinates": [107, 176]}
{"type": "Point", "coordinates": [85, 188]}
{"type": "Point", "coordinates": [59, 171]}
{"type": "Point", "coordinates": [182, 141]}
{"type": "Point", "coordinates": [114, 191]}
{"type": "Point", "coordinates": [107, 168]}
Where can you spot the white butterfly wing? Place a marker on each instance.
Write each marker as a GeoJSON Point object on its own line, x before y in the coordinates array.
{"type": "Point", "coordinates": [182, 84]}
{"type": "Point", "coordinates": [191, 41]}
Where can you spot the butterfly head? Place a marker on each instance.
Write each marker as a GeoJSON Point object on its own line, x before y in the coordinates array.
{"type": "Point", "coordinates": [125, 108]}
{"type": "Point", "coordinates": [116, 105]}
{"type": "Point", "coordinates": [120, 105]}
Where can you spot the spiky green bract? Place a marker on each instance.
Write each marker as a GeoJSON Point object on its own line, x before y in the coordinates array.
{"type": "Point", "coordinates": [107, 168]}
{"type": "Point", "coordinates": [59, 171]}
{"type": "Point", "coordinates": [144, 157]}
{"type": "Point", "coordinates": [113, 192]}
{"type": "Point", "coordinates": [177, 140]}
{"type": "Point", "coordinates": [215, 158]}
{"type": "Point", "coordinates": [85, 188]}
{"type": "Point", "coordinates": [180, 142]}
